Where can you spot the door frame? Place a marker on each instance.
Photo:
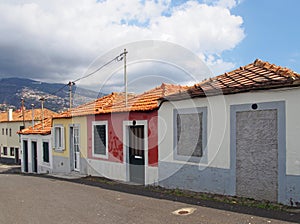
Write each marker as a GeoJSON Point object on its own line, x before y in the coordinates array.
{"type": "Point", "coordinates": [126, 125]}
{"type": "Point", "coordinates": [71, 144]}
{"type": "Point", "coordinates": [25, 156]}
{"type": "Point", "coordinates": [281, 124]}
{"type": "Point", "coordinates": [34, 151]}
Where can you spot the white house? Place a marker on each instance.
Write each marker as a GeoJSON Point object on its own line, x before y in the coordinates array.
{"type": "Point", "coordinates": [36, 148]}
{"type": "Point", "coordinates": [235, 134]}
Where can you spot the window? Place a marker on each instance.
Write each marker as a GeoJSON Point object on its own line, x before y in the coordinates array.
{"type": "Point", "coordinates": [2, 131]}
{"type": "Point", "coordinates": [12, 151]}
{"type": "Point", "coordinates": [6, 131]}
{"type": "Point", "coordinates": [100, 136]}
{"type": "Point", "coordinates": [46, 152]}
{"type": "Point", "coordinates": [58, 138]}
{"type": "Point", "coordinates": [10, 132]}
{"type": "Point", "coordinates": [5, 151]}
{"type": "Point", "coordinates": [190, 134]}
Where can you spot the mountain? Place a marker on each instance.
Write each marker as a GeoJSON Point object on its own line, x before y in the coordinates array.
{"type": "Point", "coordinates": [56, 94]}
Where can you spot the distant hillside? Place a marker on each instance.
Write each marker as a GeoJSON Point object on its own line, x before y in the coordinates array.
{"type": "Point", "coordinates": [13, 89]}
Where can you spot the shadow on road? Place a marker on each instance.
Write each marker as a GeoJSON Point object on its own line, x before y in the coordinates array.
{"type": "Point", "coordinates": [10, 169]}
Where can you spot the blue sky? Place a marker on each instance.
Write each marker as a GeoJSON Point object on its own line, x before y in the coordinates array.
{"type": "Point", "coordinates": [59, 41]}
{"type": "Point", "coordinates": [272, 33]}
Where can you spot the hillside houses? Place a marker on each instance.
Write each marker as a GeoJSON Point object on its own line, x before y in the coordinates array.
{"type": "Point", "coordinates": [234, 134]}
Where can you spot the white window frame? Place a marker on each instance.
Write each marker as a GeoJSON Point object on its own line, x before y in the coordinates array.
{"type": "Point", "coordinates": [95, 123]}
{"type": "Point", "coordinates": [62, 136]}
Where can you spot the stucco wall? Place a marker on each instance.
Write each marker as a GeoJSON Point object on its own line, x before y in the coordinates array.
{"type": "Point", "coordinates": [42, 166]}
{"type": "Point", "coordinates": [218, 143]}
{"type": "Point", "coordinates": [115, 165]}
{"type": "Point", "coordinates": [13, 140]}
{"type": "Point", "coordinates": [61, 159]}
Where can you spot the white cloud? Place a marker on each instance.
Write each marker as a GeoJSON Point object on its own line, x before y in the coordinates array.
{"type": "Point", "coordinates": [56, 40]}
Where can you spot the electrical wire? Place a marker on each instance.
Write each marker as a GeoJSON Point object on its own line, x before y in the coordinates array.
{"type": "Point", "coordinates": [117, 58]}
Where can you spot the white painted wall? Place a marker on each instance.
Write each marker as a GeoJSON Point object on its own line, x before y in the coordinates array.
{"type": "Point", "coordinates": [218, 142]}
{"type": "Point", "coordinates": [42, 166]}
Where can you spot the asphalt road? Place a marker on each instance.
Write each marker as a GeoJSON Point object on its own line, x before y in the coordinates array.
{"type": "Point", "coordinates": [34, 199]}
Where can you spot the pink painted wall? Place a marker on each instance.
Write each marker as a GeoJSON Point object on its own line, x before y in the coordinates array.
{"type": "Point", "coordinates": [115, 134]}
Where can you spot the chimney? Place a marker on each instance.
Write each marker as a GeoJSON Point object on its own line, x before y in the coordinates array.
{"type": "Point", "coordinates": [10, 115]}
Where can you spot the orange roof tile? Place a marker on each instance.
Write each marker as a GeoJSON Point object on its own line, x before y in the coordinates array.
{"type": "Point", "coordinates": [146, 101]}
{"type": "Point", "coordinates": [255, 76]}
{"type": "Point", "coordinates": [39, 128]}
{"type": "Point", "coordinates": [95, 106]}
{"type": "Point", "coordinates": [18, 115]}
{"type": "Point", "coordinates": [115, 102]}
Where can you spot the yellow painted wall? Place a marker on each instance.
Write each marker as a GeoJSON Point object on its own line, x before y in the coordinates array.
{"type": "Point", "coordinates": [66, 123]}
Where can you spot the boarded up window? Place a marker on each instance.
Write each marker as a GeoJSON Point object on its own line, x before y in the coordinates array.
{"type": "Point", "coordinates": [100, 139]}
{"type": "Point", "coordinates": [190, 134]}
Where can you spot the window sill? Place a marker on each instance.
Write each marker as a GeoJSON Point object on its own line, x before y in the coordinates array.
{"type": "Point", "coordinates": [99, 156]}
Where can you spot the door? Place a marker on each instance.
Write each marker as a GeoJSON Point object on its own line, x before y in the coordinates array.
{"type": "Point", "coordinates": [25, 155]}
{"type": "Point", "coordinates": [257, 154]}
{"type": "Point", "coordinates": [75, 149]}
{"type": "Point", "coordinates": [136, 154]}
{"type": "Point", "coordinates": [34, 157]}
{"type": "Point", "coordinates": [17, 161]}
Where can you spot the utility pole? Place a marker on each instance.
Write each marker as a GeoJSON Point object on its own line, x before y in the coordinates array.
{"type": "Point", "coordinates": [125, 77]}
{"type": "Point", "coordinates": [32, 107]}
{"type": "Point", "coordinates": [23, 112]}
{"type": "Point", "coordinates": [70, 84]}
{"type": "Point", "coordinates": [42, 104]}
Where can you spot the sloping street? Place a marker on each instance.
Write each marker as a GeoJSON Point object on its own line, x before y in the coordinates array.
{"type": "Point", "coordinates": [36, 199]}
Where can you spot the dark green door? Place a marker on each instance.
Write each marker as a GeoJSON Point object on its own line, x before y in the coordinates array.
{"type": "Point", "coordinates": [136, 154]}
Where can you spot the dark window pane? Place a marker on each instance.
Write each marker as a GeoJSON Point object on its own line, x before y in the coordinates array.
{"type": "Point", "coordinates": [5, 151]}
{"type": "Point", "coordinates": [12, 151]}
{"type": "Point", "coordinates": [100, 139]}
{"type": "Point", "coordinates": [46, 152]}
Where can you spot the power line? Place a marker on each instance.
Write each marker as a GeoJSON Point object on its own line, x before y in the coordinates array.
{"type": "Point", "coordinates": [117, 58]}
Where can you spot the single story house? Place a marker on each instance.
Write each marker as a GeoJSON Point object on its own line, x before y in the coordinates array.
{"type": "Point", "coordinates": [234, 134]}
{"type": "Point", "coordinates": [36, 145]}
{"type": "Point", "coordinates": [123, 139]}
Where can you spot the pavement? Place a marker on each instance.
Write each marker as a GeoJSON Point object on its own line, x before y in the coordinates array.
{"type": "Point", "coordinates": [71, 199]}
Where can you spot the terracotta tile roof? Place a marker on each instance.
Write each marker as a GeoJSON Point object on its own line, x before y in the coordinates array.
{"type": "Point", "coordinates": [115, 102]}
{"type": "Point", "coordinates": [18, 115]}
{"type": "Point", "coordinates": [95, 106]}
{"type": "Point", "coordinates": [255, 76]}
{"type": "Point", "coordinates": [38, 128]}
{"type": "Point", "coordinates": [146, 101]}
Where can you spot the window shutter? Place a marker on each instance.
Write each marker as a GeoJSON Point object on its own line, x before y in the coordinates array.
{"type": "Point", "coordinates": [62, 138]}
{"type": "Point", "coordinates": [53, 137]}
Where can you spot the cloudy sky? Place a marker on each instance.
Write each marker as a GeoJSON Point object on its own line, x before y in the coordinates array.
{"type": "Point", "coordinates": [167, 40]}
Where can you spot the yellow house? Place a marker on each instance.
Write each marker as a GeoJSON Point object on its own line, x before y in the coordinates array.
{"type": "Point", "coordinates": [69, 135]}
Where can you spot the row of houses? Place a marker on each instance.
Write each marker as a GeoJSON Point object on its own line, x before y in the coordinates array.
{"type": "Point", "coordinates": [234, 134]}
{"type": "Point", "coordinates": [10, 123]}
